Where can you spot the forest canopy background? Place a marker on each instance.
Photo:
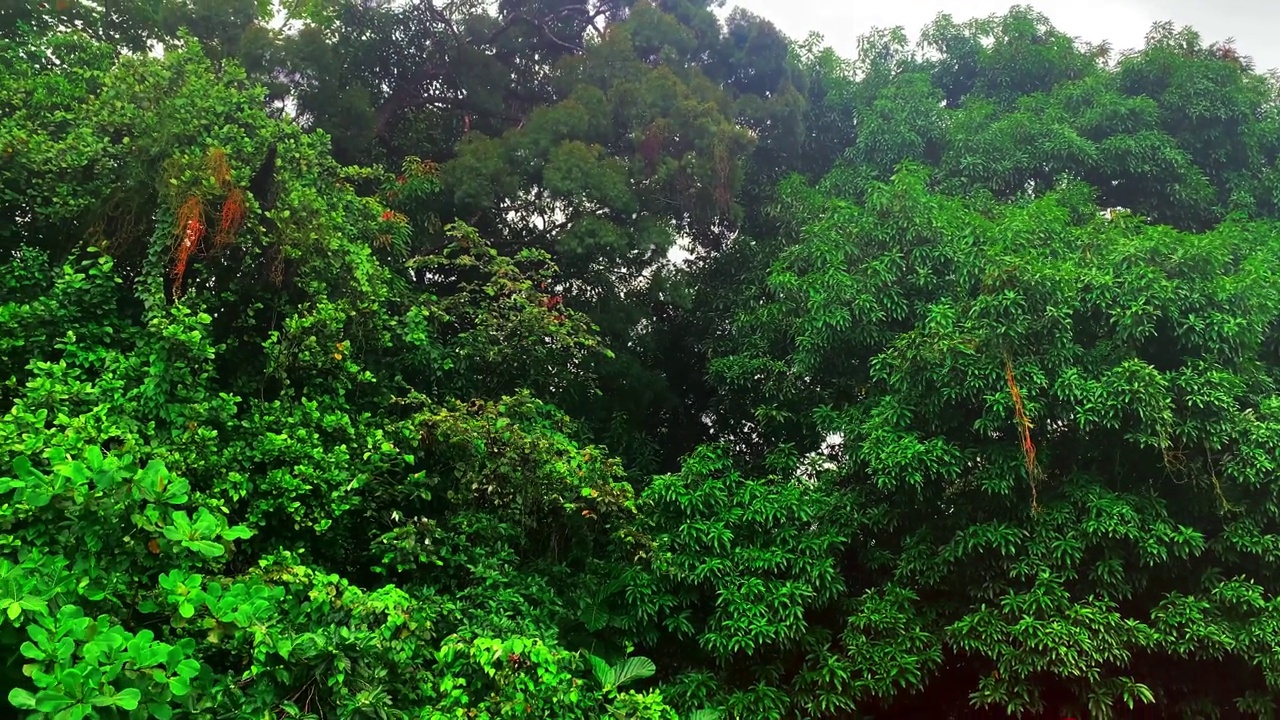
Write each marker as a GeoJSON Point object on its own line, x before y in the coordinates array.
{"type": "Point", "coordinates": [346, 371]}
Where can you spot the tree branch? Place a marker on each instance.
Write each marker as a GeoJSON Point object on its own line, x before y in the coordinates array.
{"type": "Point", "coordinates": [403, 98]}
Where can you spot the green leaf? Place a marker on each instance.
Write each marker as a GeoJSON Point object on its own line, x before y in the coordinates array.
{"type": "Point", "coordinates": [208, 548]}
{"type": "Point", "coordinates": [26, 472]}
{"type": "Point", "coordinates": [188, 668]}
{"type": "Point", "coordinates": [51, 701]}
{"type": "Point", "coordinates": [633, 668]}
{"type": "Point", "coordinates": [179, 686]}
{"type": "Point", "coordinates": [181, 524]}
{"type": "Point", "coordinates": [128, 698]}
{"type": "Point", "coordinates": [237, 532]}
{"type": "Point", "coordinates": [31, 651]}
{"type": "Point", "coordinates": [594, 617]}
{"type": "Point", "coordinates": [22, 699]}
{"type": "Point", "coordinates": [602, 671]}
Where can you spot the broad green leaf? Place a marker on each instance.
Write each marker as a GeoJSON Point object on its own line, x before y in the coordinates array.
{"type": "Point", "coordinates": [51, 701]}
{"type": "Point", "coordinates": [179, 686]}
{"type": "Point", "coordinates": [208, 548]}
{"type": "Point", "coordinates": [604, 674]}
{"type": "Point", "coordinates": [22, 699]}
{"type": "Point", "coordinates": [237, 532]}
{"type": "Point", "coordinates": [128, 698]}
{"type": "Point", "coordinates": [633, 668]}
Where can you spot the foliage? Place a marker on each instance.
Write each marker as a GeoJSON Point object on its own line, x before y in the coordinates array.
{"type": "Point", "coordinates": [312, 425]}
{"type": "Point", "coordinates": [1060, 559]}
{"type": "Point", "coordinates": [621, 360]}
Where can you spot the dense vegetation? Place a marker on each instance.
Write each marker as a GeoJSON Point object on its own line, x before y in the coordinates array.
{"type": "Point", "coordinates": [608, 359]}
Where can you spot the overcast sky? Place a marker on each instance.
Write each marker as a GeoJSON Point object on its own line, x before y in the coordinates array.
{"type": "Point", "coordinates": [1255, 24]}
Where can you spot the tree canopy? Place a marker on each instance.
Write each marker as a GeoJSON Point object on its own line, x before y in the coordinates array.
{"type": "Point", "coordinates": [632, 360]}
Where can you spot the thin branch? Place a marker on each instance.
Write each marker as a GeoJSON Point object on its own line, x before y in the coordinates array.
{"type": "Point", "coordinates": [546, 32]}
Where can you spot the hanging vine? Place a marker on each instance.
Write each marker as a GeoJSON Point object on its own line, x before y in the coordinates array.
{"type": "Point", "coordinates": [189, 230]}
{"type": "Point", "coordinates": [1024, 430]}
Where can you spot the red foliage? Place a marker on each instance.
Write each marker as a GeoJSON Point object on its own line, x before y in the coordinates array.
{"type": "Point", "coordinates": [182, 254]}
{"type": "Point", "coordinates": [189, 230]}
{"type": "Point", "coordinates": [233, 214]}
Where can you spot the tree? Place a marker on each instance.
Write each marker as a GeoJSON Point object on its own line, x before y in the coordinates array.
{"type": "Point", "coordinates": [1014, 371]}
{"type": "Point", "coordinates": [347, 370]}
{"type": "Point", "coordinates": [249, 458]}
{"type": "Point", "coordinates": [1055, 560]}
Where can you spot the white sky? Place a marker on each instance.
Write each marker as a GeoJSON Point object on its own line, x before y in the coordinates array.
{"type": "Point", "coordinates": [1255, 24]}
